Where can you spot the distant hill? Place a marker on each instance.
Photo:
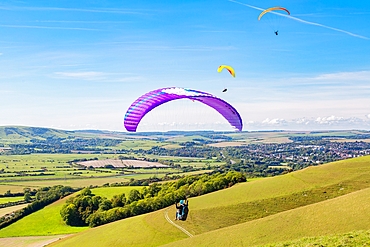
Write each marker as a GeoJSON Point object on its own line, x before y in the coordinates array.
{"type": "Point", "coordinates": [19, 134]}
{"type": "Point", "coordinates": [23, 133]}
{"type": "Point", "coordinates": [316, 201]}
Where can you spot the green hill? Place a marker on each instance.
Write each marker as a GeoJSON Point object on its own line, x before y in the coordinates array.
{"type": "Point", "coordinates": [320, 200]}
{"type": "Point", "coordinates": [336, 216]}
{"type": "Point", "coordinates": [18, 134]}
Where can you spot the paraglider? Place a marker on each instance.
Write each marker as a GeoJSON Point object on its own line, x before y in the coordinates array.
{"type": "Point", "coordinates": [147, 102]}
{"type": "Point", "coordinates": [182, 210]}
{"type": "Point", "coordinates": [273, 9]}
{"type": "Point", "coordinates": [228, 68]}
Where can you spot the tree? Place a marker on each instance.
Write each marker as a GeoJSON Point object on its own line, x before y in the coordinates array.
{"type": "Point", "coordinates": [133, 196]}
{"type": "Point", "coordinates": [27, 196]}
{"type": "Point", "coordinates": [118, 200]}
{"type": "Point", "coordinates": [70, 215]}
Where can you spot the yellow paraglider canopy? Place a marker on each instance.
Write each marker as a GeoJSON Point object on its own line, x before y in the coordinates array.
{"type": "Point", "coordinates": [228, 68]}
{"type": "Point", "coordinates": [272, 9]}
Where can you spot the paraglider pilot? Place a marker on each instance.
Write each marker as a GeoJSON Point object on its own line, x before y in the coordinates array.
{"type": "Point", "coordinates": [276, 32]}
{"type": "Point", "coordinates": [181, 212]}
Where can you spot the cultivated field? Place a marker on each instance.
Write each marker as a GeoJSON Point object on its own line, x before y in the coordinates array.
{"type": "Point", "coordinates": [121, 163]}
{"type": "Point", "coordinates": [8, 210]}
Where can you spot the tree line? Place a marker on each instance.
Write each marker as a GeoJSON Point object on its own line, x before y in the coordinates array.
{"type": "Point", "coordinates": [43, 197]}
{"type": "Point", "coordinates": [92, 210]}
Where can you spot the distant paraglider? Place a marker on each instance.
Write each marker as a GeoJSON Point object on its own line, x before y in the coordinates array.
{"type": "Point", "coordinates": [228, 68]}
{"type": "Point", "coordinates": [151, 100]}
{"type": "Point", "coordinates": [273, 9]}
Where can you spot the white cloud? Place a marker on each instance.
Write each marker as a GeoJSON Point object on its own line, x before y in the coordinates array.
{"type": "Point", "coordinates": [329, 120]}
{"type": "Point", "coordinates": [310, 123]}
{"type": "Point", "coordinates": [274, 121]}
{"type": "Point", "coordinates": [349, 76]}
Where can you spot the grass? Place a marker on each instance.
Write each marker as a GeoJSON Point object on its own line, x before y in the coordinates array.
{"type": "Point", "coordinates": [203, 220]}
{"type": "Point", "coordinates": [354, 238]}
{"type": "Point", "coordinates": [335, 216]}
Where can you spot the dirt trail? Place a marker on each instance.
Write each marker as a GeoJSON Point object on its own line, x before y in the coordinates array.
{"type": "Point", "coordinates": [32, 241]}
{"type": "Point", "coordinates": [173, 223]}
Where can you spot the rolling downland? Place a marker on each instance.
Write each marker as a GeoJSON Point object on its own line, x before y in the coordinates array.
{"type": "Point", "coordinates": [316, 201]}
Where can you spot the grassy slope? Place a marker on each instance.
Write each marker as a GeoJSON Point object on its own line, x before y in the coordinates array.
{"type": "Point", "coordinates": [336, 216]}
{"type": "Point", "coordinates": [222, 209]}
{"type": "Point", "coordinates": [354, 238]}
{"type": "Point", "coordinates": [144, 230]}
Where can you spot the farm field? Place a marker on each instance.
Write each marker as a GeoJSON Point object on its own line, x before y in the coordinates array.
{"type": "Point", "coordinates": [120, 163]}
{"type": "Point", "coordinates": [10, 199]}
{"type": "Point", "coordinates": [7, 210]}
{"type": "Point", "coordinates": [316, 201]}
{"type": "Point", "coordinates": [13, 188]}
{"type": "Point", "coordinates": [81, 182]}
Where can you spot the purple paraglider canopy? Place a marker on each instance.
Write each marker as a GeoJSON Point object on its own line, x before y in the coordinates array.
{"type": "Point", "coordinates": [151, 100]}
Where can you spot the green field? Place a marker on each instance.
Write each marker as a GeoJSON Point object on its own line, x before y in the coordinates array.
{"type": "Point", "coordinates": [43, 222]}
{"type": "Point", "coordinates": [11, 199]}
{"type": "Point", "coordinates": [317, 201]}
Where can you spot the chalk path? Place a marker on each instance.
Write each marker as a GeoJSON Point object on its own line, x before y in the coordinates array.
{"type": "Point", "coordinates": [173, 223]}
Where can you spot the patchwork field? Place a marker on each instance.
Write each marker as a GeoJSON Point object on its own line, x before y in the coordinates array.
{"type": "Point", "coordinates": [40, 170]}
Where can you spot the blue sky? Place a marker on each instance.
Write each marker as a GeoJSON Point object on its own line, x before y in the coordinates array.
{"type": "Point", "coordinates": [80, 64]}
